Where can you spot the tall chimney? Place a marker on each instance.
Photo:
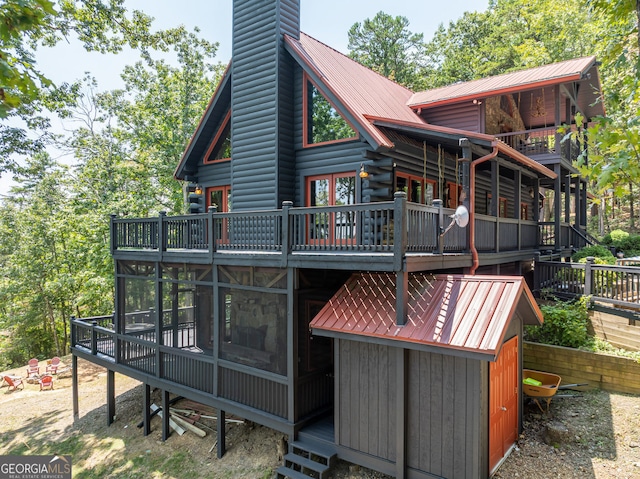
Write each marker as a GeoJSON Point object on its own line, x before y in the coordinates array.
{"type": "Point", "coordinates": [262, 74]}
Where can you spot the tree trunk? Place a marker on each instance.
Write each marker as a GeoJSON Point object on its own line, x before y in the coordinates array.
{"type": "Point", "coordinates": [632, 220]}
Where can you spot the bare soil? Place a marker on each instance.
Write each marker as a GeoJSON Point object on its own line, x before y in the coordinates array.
{"type": "Point", "coordinates": [602, 440]}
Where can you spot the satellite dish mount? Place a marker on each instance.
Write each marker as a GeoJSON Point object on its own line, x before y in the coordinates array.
{"type": "Point", "coordinates": [460, 218]}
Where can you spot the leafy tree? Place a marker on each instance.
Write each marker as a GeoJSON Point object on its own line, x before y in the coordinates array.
{"type": "Point", "coordinates": [386, 45]}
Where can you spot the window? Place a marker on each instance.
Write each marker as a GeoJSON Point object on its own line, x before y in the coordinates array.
{"type": "Point", "coordinates": [418, 189]}
{"type": "Point", "coordinates": [502, 211]}
{"type": "Point", "coordinates": [331, 190]}
{"type": "Point", "coordinates": [220, 147]}
{"type": "Point", "coordinates": [524, 211]}
{"type": "Point", "coordinates": [322, 123]}
{"type": "Point", "coordinates": [452, 194]}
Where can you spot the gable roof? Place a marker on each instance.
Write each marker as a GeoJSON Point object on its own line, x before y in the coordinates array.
{"type": "Point", "coordinates": [570, 70]}
{"type": "Point", "coordinates": [450, 314]}
{"type": "Point", "coordinates": [360, 90]}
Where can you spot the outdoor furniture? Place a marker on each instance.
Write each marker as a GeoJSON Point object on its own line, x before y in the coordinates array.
{"type": "Point", "coordinates": [14, 382]}
{"type": "Point", "coordinates": [52, 367]}
{"type": "Point", "coordinates": [46, 382]}
{"type": "Point", "coordinates": [33, 368]}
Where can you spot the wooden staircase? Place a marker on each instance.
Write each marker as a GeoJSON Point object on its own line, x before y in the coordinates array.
{"type": "Point", "coordinates": [306, 460]}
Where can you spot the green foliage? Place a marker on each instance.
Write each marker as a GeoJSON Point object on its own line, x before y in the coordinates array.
{"type": "Point", "coordinates": [629, 245]}
{"type": "Point", "coordinates": [565, 324]}
{"type": "Point", "coordinates": [602, 254]}
{"type": "Point", "coordinates": [386, 45]}
{"type": "Point", "coordinates": [618, 235]}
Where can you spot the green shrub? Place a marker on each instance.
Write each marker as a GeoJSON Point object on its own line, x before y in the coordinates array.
{"type": "Point", "coordinates": [565, 324]}
{"type": "Point", "coordinates": [617, 236]}
{"type": "Point", "coordinates": [598, 251]}
{"type": "Point", "coordinates": [629, 245]}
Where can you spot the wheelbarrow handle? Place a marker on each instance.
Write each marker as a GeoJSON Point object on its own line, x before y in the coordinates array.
{"type": "Point", "coordinates": [569, 386]}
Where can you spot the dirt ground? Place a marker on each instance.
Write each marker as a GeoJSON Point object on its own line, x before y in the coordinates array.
{"type": "Point", "coordinates": [601, 440]}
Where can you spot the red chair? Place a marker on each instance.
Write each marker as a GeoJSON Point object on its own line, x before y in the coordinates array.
{"type": "Point", "coordinates": [52, 367]}
{"type": "Point", "coordinates": [33, 368]}
{"type": "Point", "coordinates": [46, 382]}
{"type": "Point", "coordinates": [14, 382]}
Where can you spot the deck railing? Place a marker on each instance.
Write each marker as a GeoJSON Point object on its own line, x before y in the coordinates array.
{"type": "Point", "coordinates": [541, 141]}
{"type": "Point", "coordinates": [397, 227]}
{"type": "Point", "coordinates": [608, 284]}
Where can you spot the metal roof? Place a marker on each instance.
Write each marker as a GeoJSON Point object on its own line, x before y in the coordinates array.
{"type": "Point", "coordinates": [451, 314]}
{"type": "Point", "coordinates": [360, 90]}
{"type": "Point", "coordinates": [570, 70]}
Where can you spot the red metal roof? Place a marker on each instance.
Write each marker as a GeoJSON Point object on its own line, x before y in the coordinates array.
{"type": "Point", "coordinates": [361, 90]}
{"type": "Point", "coordinates": [460, 314]}
{"type": "Point", "coordinates": [570, 70]}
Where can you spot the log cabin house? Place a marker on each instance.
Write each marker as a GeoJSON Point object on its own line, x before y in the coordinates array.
{"type": "Point", "coordinates": [317, 285]}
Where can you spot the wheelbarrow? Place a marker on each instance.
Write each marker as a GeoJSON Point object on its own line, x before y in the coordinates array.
{"type": "Point", "coordinates": [541, 387]}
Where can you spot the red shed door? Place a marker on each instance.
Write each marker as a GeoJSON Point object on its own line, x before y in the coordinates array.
{"type": "Point", "coordinates": [503, 402]}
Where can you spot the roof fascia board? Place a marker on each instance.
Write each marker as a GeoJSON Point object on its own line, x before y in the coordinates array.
{"type": "Point", "coordinates": [424, 347]}
{"type": "Point", "coordinates": [319, 80]}
{"type": "Point", "coordinates": [496, 92]}
{"type": "Point", "coordinates": [224, 82]}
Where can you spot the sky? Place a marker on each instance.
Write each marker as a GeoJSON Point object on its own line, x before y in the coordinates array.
{"type": "Point", "coordinates": [326, 20]}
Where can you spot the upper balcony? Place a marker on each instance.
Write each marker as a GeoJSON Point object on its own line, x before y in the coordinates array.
{"type": "Point", "coordinates": [398, 234]}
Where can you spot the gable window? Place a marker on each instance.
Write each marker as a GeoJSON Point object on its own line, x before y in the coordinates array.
{"type": "Point", "coordinates": [331, 190]}
{"type": "Point", "coordinates": [220, 147]}
{"type": "Point", "coordinates": [418, 190]}
{"type": "Point", "coordinates": [321, 122]}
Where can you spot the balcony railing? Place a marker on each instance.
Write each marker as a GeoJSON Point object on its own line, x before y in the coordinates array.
{"type": "Point", "coordinates": [541, 141]}
{"type": "Point", "coordinates": [396, 227]}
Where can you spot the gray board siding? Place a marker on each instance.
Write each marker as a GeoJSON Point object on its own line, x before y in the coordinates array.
{"type": "Point", "coordinates": [258, 100]}
{"type": "Point", "coordinates": [446, 417]}
{"type": "Point", "coordinates": [366, 404]}
{"type": "Point", "coordinates": [216, 174]}
{"type": "Point", "coordinates": [463, 116]}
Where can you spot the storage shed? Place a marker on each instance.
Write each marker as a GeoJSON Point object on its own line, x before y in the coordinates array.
{"type": "Point", "coordinates": [436, 393]}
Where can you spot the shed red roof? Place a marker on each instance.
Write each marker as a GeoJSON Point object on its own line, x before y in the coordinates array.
{"type": "Point", "coordinates": [361, 90]}
{"type": "Point", "coordinates": [460, 315]}
{"type": "Point", "coordinates": [570, 70]}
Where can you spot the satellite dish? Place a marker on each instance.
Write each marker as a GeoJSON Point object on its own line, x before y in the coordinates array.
{"type": "Point", "coordinates": [461, 216]}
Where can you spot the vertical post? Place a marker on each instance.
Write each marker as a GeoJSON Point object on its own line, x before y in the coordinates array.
{"type": "Point", "coordinates": [74, 385]}
{"type": "Point", "coordinates": [402, 297]}
{"type": "Point", "coordinates": [94, 338]}
{"type": "Point", "coordinates": [516, 207]}
{"type": "Point", "coordinates": [222, 422]}
{"type": "Point", "coordinates": [111, 396]}
{"type": "Point", "coordinates": [146, 405]}
{"type": "Point", "coordinates": [399, 229]}
{"type": "Point", "coordinates": [588, 276]}
{"type": "Point", "coordinates": [292, 346]}
{"type": "Point", "coordinates": [166, 432]}
{"type": "Point", "coordinates": [556, 207]}
{"type": "Point", "coordinates": [162, 233]}
{"type": "Point", "coordinates": [438, 204]}
{"type": "Point", "coordinates": [536, 273]}
{"type": "Point", "coordinates": [211, 231]}
{"type": "Point", "coordinates": [113, 236]}
{"type": "Point", "coordinates": [286, 236]}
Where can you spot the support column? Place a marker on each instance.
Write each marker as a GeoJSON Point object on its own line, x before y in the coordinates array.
{"type": "Point", "coordinates": [111, 396]}
{"type": "Point", "coordinates": [556, 207]}
{"type": "Point", "coordinates": [166, 432]}
{"type": "Point", "coordinates": [146, 407]}
{"type": "Point", "coordinates": [222, 425]}
{"type": "Point", "coordinates": [74, 385]}
{"type": "Point", "coordinates": [578, 202]}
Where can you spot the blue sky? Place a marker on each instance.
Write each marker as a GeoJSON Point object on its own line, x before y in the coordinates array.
{"type": "Point", "coordinates": [325, 20]}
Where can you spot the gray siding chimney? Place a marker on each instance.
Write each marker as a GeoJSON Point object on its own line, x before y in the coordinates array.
{"type": "Point", "coordinates": [262, 110]}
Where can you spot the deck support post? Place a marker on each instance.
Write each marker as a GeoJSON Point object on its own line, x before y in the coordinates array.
{"type": "Point", "coordinates": [166, 432]}
{"type": "Point", "coordinates": [146, 407]}
{"type": "Point", "coordinates": [111, 396]}
{"type": "Point", "coordinates": [222, 420]}
{"type": "Point", "coordinates": [74, 385]}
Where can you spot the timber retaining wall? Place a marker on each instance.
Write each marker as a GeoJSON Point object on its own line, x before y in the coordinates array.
{"type": "Point", "coordinates": [611, 373]}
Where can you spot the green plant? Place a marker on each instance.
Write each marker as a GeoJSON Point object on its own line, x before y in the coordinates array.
{"type": "Point", "coordinates": [598, 251]}
{"type": "Point", "coordinates": [565, 324]}
{"type": "Point", "coordinates": [618, 235]}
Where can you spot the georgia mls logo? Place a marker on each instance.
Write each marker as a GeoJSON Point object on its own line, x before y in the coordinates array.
{"type": "Point", "coordinates": [35, 467]}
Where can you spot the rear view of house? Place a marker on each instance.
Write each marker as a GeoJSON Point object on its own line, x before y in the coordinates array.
{"type": "Point", "coordinates": [319, 284]}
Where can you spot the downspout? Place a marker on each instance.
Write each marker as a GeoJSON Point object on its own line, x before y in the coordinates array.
{"type": "Point", "coordinates": [472, 206]}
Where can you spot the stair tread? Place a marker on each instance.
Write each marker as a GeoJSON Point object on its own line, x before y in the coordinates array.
{"type": "Point", "coordinates": [316, 449]}
{"type": "Point", "coordinates": [290, 473]}
{"type": "Point", "coordinates": [308, 463]}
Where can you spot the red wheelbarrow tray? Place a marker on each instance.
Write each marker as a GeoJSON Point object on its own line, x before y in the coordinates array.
{"type": "Point", "coordinates": [548, 388]}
